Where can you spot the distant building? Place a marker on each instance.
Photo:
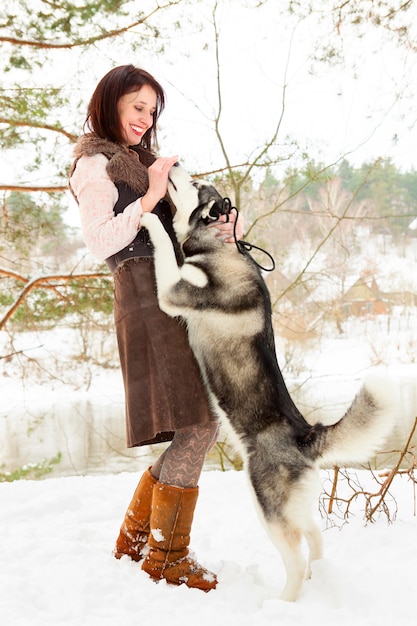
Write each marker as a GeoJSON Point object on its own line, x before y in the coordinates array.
{"type": "Point", "coordinates": [364, 298]}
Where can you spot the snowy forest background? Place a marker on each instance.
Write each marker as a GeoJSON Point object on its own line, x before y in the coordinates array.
{"type": "Point", "coordinates": [328, 190]}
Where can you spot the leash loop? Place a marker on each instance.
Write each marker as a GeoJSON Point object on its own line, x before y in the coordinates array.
{"type": "Point", "coordinates": [241, 245]}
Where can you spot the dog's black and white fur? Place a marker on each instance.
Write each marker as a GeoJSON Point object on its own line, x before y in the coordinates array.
{"type": "Point", "coordinates": [221, 295]}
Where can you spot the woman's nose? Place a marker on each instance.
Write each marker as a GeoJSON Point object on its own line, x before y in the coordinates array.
{"type": "Point", "coordinates": [147, 118]}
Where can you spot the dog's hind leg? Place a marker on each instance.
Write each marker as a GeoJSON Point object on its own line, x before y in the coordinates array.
{"type": "Point", "coordinates": [314, 540]}
{"type": "Point", "coordinates": [287, 529]}
{"type": "Point", "coordinates": [287, 540]}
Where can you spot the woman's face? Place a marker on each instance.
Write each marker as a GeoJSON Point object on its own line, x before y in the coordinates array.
{"type": "Point", "coordinates": [136, 111]}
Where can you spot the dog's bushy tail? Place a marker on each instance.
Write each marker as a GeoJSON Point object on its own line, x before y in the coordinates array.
{"type": "Point", "coordinates": [365, 426]}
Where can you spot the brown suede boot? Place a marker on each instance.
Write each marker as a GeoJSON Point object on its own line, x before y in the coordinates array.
{"type": "Point", "coordinates": [168, 557]}
{"type": "Point", "coordinates": [134, 530]}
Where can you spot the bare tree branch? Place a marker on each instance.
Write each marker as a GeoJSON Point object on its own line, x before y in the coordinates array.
{"type": "Point", "coordinates": [31, 124]}
{"type": "Point", "coordinates": [371, 510]}
{"type": "Point", "coordinates": [43, 282]}
{"type": "Point", "coordinates": [10, 274]}
{"type": "Point", "coordinates": [27, 188]}
{"type": "Point", "coordinates": [91, 40]}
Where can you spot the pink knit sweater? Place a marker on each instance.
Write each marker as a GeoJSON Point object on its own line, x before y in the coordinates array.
{"type": "Point", "coordinates": [104, 233]}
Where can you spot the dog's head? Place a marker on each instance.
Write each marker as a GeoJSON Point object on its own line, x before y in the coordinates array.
{"type": "Point", "coordinates": [196, 201]}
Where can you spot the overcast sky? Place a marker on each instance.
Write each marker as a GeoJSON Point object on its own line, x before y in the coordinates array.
{"type": "Point", "coordinates": [355, 109]}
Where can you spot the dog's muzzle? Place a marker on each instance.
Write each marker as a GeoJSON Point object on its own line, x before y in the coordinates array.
{"type": "Point", "coordinates": [217, 209]}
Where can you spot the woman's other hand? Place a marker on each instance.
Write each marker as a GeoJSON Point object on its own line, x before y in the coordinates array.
{"type": "Point", "coordinates": [226, 228]}
{"type": "Point", "coordinates": [158, 182]}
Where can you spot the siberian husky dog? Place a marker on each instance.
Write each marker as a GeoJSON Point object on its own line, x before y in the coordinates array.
{"type": "Point", "coordinates": [220, 293]}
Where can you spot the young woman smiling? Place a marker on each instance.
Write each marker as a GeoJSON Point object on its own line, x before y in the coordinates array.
{"type": "Point", "coordinates": [115, 178]}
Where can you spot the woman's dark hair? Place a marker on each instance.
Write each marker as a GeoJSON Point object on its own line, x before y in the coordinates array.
{"type": "Point", "coordinates": [102, 113]}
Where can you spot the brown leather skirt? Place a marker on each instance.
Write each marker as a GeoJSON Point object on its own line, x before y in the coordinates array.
{"type": "Point", "coordinates": [163, 387]}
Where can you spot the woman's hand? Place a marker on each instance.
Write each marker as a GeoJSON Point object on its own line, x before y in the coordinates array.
{"type": "Point", "coordinates": [158, 182]}
{"type": "Point", "coordinates": [226, 228]}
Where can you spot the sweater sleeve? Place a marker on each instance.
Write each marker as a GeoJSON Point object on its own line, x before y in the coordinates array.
{"type": "Point", "coordinates": [104, 232]}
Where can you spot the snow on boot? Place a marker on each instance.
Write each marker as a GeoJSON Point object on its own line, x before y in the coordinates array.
{"type": "Point", "coordinates": [169, 537]}
{"type": "Point", "coordinates": [134, 530]}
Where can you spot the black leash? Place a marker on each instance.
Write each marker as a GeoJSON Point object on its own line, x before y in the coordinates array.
{"type": "Point", "coordinates": [245, 246]}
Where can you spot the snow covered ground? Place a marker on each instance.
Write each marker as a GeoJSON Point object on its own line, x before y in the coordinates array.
{"type": "Point", "coordinates": [57, 568]}
{"type": "Point", "coordinates": [57, 534]}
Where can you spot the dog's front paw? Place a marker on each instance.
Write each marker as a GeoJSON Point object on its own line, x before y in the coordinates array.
{"type": "Point", "coordinates": [154, 226]}
{"type": "Point", "coordinates": [148, 220]}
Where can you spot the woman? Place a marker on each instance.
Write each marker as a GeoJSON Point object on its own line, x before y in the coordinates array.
{"type": "Point", "coordinates": [115, 178]}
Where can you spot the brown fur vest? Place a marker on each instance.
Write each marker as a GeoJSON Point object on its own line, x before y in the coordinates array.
{"type": "Point", "coordinates": [128, 170]}
{"type": "Point", "coordinates": [129, 166]}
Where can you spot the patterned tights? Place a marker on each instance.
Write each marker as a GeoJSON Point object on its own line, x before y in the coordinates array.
{"type": "Point", "coordinates": [182, 462]}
